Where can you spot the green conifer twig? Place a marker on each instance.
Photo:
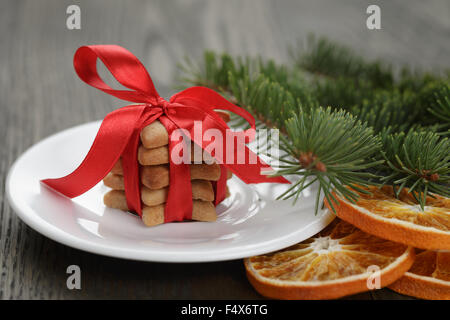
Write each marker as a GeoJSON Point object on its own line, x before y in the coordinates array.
{"type": "Point", "coordinates": [379, 107]}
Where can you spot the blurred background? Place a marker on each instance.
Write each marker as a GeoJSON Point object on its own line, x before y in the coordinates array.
{"type": "Point", "coordinates": [37, 47]}
{"type": "Point", "coordinates": [40, 94]}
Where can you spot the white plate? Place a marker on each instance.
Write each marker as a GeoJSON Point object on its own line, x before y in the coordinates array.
{"type": "Point", "coordinates": [250, 221]}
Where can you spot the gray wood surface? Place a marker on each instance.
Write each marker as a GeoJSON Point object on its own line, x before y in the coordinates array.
{"type": "Point", "coordinates": [40, 95]}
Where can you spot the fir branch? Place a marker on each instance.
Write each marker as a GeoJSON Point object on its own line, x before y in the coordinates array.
{"type": "Point", "coordinates": [349, 81]}
{"type": "Point", "coordinates": [216, 70]}
{"type": "Point", "coordinates": [324, 57]}
{"type": "Point", "coordinates": [342, 92]}
{"type": "Point", "coordinates": [387, 109]}
{"type": "Point", "coordinates": [418, 160]}
{"type": "Point", "coordinates": [288, 98]}
{"type": "Point", "coordinates": [440, 105]}
{"type": "Point", "coordinates": [331, 147]}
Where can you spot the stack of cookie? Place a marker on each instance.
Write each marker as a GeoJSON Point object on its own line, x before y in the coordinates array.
{"type": "Point", "coordinates": [153, 157]}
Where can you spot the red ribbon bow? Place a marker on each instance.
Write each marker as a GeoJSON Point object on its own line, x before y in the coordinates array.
{"type": "Point", "coordinates": [119, 133]}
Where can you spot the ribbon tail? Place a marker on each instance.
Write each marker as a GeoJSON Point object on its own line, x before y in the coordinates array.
{"type": "Point", "coordinates": [254, 172]}
{"type": "Point", "coordinates": [179, 199]}
{"type": "Point", "coordinates": [130, 163]}
{"type": "Point", "coordinates": [220, 186]}
{"type": "Point", "coordinates": [131, 173]}
{"type": "Point", "coordinates": [112, 138]}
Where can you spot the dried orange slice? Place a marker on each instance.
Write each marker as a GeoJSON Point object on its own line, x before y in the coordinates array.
{"type": "Point", "coordinates": [336, 262]}
{"type": "Point", "coordinates": [400, 219]}
{"type": "Point", "coordinates": [428, 278]}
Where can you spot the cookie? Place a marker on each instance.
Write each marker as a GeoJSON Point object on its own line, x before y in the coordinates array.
{"type": "Point", "coordinates": [155, 134]}
{"type": "Point", "coordinates": [203, 171]}
{"type": "Point", "coordinates": [115, 199]}
{"type": "Point", "coordinates": [201, 211]}
{"type": "Point", "coordinates": [157, 177]}
{"type": "Point", "coordinates": [117, 169]}
{"type": "Point", "coordinates": [201, 190]}
{"type": "Point", "coordinates": [160, 155]}
{"type": "Point", "coordinates": [155, 156]}
{"type": "Point", "coordinates": [154, 215]}
{"type": "Point", "coordinates": [114, 181]}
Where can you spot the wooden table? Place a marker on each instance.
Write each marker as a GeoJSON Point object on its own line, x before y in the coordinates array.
{"type": "Point", "coordinates": [40, 95]}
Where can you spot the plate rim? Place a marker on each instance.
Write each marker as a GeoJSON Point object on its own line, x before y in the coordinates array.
{"type": "Point", "coordinates": [56, 234]}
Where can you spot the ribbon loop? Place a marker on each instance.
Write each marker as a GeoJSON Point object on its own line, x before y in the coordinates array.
{"type": "Point", "coordinates": [123, 65]}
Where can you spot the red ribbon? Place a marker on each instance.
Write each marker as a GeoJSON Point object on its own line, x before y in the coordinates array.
{"type": "Point", "coordinates": [119, 133]}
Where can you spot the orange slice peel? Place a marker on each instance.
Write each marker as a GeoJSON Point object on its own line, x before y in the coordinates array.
{"type": "Point", "coordinates": [334, 263]}
{"type": "Point", "coordinates": [399, 219]}
{"type": "Point", "coordinates": [428, 278]}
